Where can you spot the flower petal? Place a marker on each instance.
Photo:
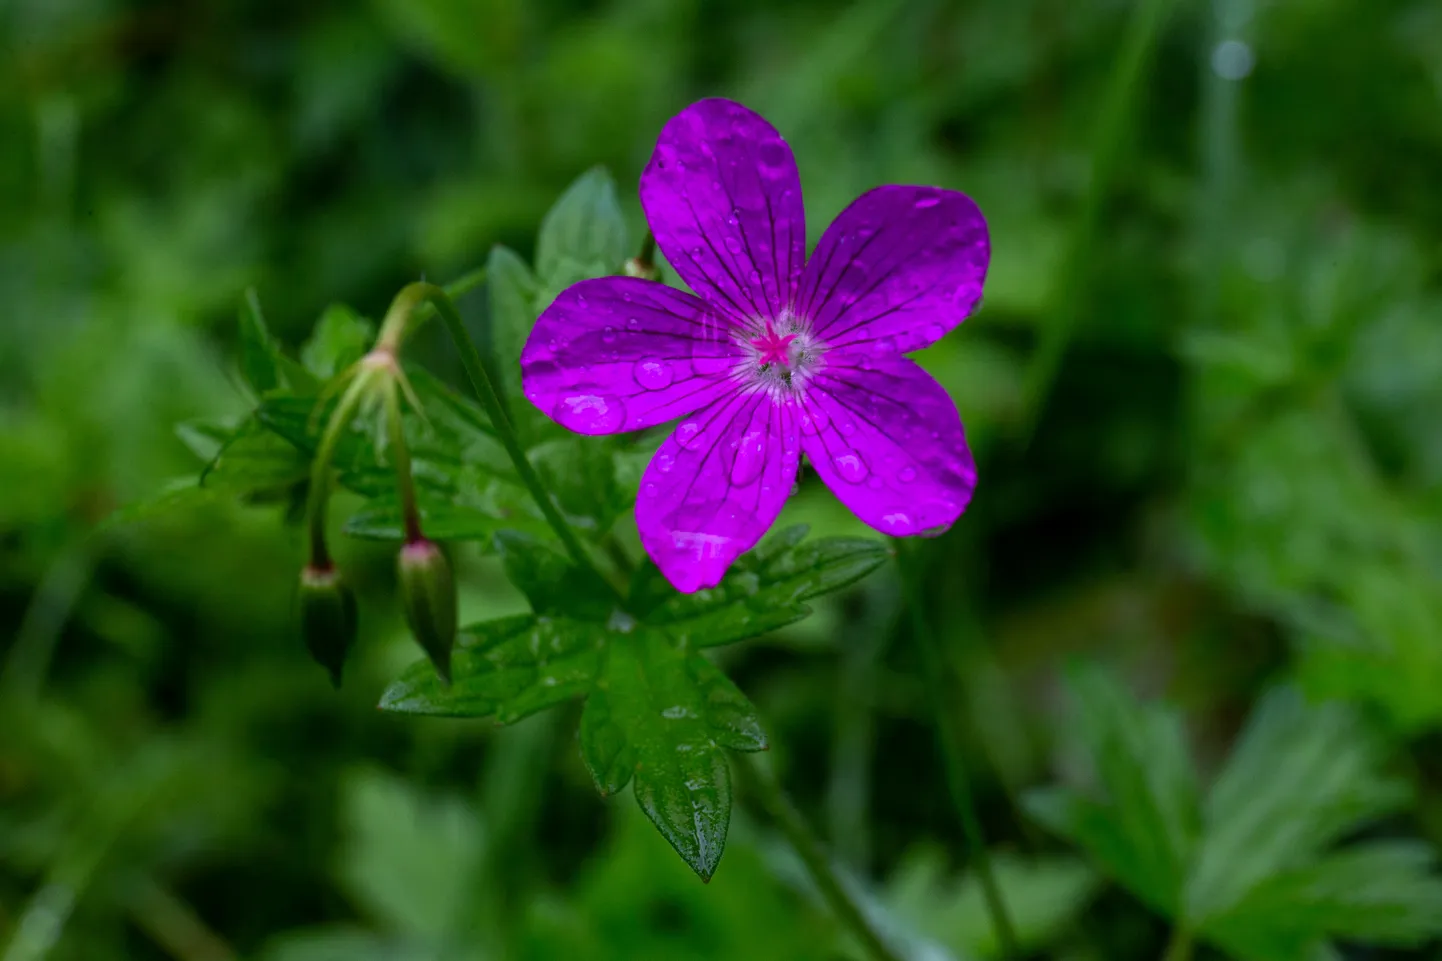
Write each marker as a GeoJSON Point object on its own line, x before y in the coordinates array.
{"type": "Point", "coordinates": [618, 353]}
{"type": "Point", "coordinates": [722, 196]}
{"type": "Point", "coordinates": [896, 270]}
{"type": "Point", "coordinates": [887, 439]}
{"type": "Point", "coordinates": [715, 486]}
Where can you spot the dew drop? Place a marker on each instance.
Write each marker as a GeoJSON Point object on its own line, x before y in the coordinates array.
{"type": "Point", "coordinates": [633, 324]}
{"type": "Point", "coordinates": [851, 467]}
{"type": "Point", "coordinates": [733, 245]}
{"type": "Point", "coordinates": [664, 462]}
{"type": "Point", "coordinates": [649, 490]}
{"type": "Point", "coordinates": [813, 422]}
{"type": "Point", "coordinates": [653, 374]}
{"type": "Point", "coordinates": [848, 428]}
{"type": "Point", "coordinates": [925, 202]}
{"type": "Point", "coordinates": [590, 413]}
{"type": "Point", "coordinates": [935, 332]}
{"type": "Point", "coordinates": [896, 521]}
{"type": "Point", "coordinates": [750, 458]}
{"type": "Point", "coordinates": [688, 435]}
{"type": "Point", "coordinates": [907, 475]}
{"type": "Point", "coordinates": [608, 335]}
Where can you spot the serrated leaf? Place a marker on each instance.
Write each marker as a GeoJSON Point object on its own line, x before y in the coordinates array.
{"type": "Point", "coordinates": [341, 337]}
{"type": "Point", "coordinates": [446, 515]}
{"type": "Point", "coordinates": [658, 718]}
{"type": "Point", "coordinates": [255, 461]}
{"type": "Point", "coordinates": [1140, 822]}
{"type": "Point", "coordinates": [205, 437]}
{"type": "Point", "coordinates": [178, 494]}
{"type": "Point", "coordinates": [263, 363]}
{"type": "Point", "coordinates": [765, 589]}
{"type": "Point", "coordinates": [1379, 893]}
{"type": "Point", "coordinates": [583, 235]}
{"type": "Point", "coordinates": [508, 668]}
{"type": "Point", "coordinates": [1300, 777]}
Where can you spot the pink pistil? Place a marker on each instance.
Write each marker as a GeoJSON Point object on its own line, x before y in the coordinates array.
{"type": "Point", "coordinates": [774, 348]}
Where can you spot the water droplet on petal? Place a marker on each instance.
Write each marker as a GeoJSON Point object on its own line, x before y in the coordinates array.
{"type": "Point", "coordinates": [813, 421]}
{"type": "Point", "coordinates": [590, 413]}
{"type": "Point", "coordinates": [633, 324]}
{"type": "Point", "coordinates": [733, 245]}
{"type": "Point", "coordinates": [907, 475]}
{"type": "Point", "coordinates": [688, 435]}
{"type": "Point", "coordinates": [649, 490]}
{"type": "Point", "coordinates": [608, 335]}
{"type": "Point", "coordinates": [925, 202]}
{"type": "Point", "coordinates": [848, 428]}
{"type": "Point", "coordinates": [664, 462]}
{"type": "Point", "coordinates": [897, 521]}
{"type": "Point", "coordinates": [653, 374]}
{"type": "Point", "coordinates": [750, 458]}
{"type": "Point", "coordinates": [851, 467]}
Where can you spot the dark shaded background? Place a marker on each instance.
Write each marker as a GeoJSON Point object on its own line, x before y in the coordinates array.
{"type": "Point", "coordinates": [1203, 390]}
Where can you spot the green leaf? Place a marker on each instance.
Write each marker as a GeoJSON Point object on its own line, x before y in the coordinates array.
{"type": "Point", "coordinates": [341, 337]}
{"type": "Point", "coordinates": [1262, 878]}
{"type": "Point", "coordinates": [205, 437]}
{"type": "Point", "coordinates": [764, 590]}
{"type": "Point", "coordinates": [411, 858]}
{"type": "Point", "coordinates": [1382, 892]}
{"type": "Point", "coordinates": [1300, 778]}
{"type": "Point", "coordinates": [1043, 896]}
{"type": "Point", "coordinates": [553, 584]}
{"type": "Point", "coordinates": [513, 293]}
{"type": "Point", "coordinates": [459, 514]}
{"type": "Point", "coordinates": [508, 668]}
{"type": "Point", "coordinates": [255, 461]}
{"type": "Point", "coordinates": [262, 362]}
{"type": "Point", "coordinates": [583, 235]}
{"type": "Point", "coordinates": [1140, 822]}
{"type": "Point", "coordinates": [659, 715]}
{"type": "Point", "coordinates": [581, 473]}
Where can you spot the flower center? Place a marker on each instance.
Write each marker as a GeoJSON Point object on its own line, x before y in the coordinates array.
{"type": "Point", "coordinates": [773, 348]}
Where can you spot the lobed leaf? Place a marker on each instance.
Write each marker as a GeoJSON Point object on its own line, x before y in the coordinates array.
{"type": "Point", "coordinates": [340, 338]}
{"type": "Point", "coordinates": [506, 668]}
{"type": "Point", "coordinates": [583, 235]}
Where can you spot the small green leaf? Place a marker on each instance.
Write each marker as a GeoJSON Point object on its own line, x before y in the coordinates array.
{"type": "Point", "coordinates": [657, 716]}
{"type": "Point", "coordinates": [255, 461]}
{"type": "Point", "coordinates": [1140, 823]}
{"type": "Point", "coordinates": [262, 362]}
{"type": "Point", "coordinates": [552, 583]}
{"type": "Point", "coordinates": [765, 589]}
{"type": "Point", "coordinates": [581, 473]}
{"type": "Point", "coordinates": [446, 514]}
{"type": "Point", "coordinates": [508, 668]}
{"type": "Point", "coordinates": [583, 235]}
{"type": "Point", "coordinates": [513, 293]}
{"type": "Point", "coordinates": [341, 337]}
{"type": "Point", "coordinates": [205, 437]}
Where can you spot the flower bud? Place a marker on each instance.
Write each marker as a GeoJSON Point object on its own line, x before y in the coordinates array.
{"type": "Point", "coordinates": [327, 614]}
{"type": "Point", "coordinates": [428, 593]}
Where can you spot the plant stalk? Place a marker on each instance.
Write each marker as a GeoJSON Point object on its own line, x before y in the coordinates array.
{"type": "Point", "coordinates": [319, 494]}
{"type": "Point", "coordinates": [936, 675]}
{"type": "Point", "coordinates": [806, 844]}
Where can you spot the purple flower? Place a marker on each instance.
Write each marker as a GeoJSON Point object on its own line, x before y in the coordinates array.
{"type": "Point", "coordinates": [778, 356]}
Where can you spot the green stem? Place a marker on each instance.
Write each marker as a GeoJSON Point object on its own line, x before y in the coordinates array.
{"type": "Point", "coordinates": [937, 677]}
{"type": "Point", "coordinates": [319, 495]}
{"type": "Point", "coordinates": [495, 409]}
{"type": "Point", "coordinates": [401, 458]}
{"type": "Point", "coordinates": [818, 863]}
{"type": "Point", "coordinates": [1118, 109]}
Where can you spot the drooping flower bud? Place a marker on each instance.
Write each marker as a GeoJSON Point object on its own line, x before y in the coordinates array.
{"type": "Point", "coordinates": [327, 614]}
{"type": "Point", "coordinates": [428, 593]}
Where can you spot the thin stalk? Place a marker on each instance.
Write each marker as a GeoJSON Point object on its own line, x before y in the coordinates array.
{"type": "Point", "coordinates": [1117, 112]}
{"type": "Point", "coordinates": [937, 677]}
{"type": "Point", "coordinates": [319, 495]}
{"type": "Point", "coordinates": [401, 458]}
{"type": "Point", "coordinates": [804, 841]}
{"type": "Point", "coordinates": [491, 402]}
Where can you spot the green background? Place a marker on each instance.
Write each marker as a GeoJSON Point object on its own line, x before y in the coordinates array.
{"type": "Point", "coordinates": [1204, 392]}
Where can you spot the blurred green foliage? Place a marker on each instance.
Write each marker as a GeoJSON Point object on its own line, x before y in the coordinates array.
{"type": "Point", "coordinates": [1224, 215]}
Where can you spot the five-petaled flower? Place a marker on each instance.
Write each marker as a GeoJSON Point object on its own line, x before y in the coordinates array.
{"type": "Point", "coordinates": [778, 355]}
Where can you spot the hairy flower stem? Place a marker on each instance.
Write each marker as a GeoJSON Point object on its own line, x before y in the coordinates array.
{"type": "Point", "coordinates": [818, 863]}
{"type": "Point", "coordinates": [393, 331]}
{"type": "Point", "coordinates": [319, 495]}
{"type": "Point", "coordinates": [937, 675]}
{"type": "Point", "coordinates": [401, 457]}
